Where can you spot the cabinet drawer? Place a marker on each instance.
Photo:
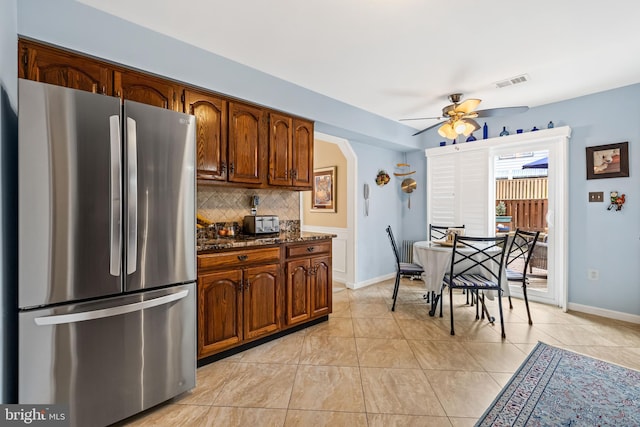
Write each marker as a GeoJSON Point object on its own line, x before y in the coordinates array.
{"type": "Point", "coordinates": [237, 258]}
{"type": "Point", "coordinates": [311, 248]}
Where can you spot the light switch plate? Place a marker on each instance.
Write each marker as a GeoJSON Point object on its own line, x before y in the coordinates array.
{"type": "Point", "coordinates": [596, 196]}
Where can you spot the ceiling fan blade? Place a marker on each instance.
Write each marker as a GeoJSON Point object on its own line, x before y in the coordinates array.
{"type": "Point", "coordinates": [426, 129]}
{"type": "Point", "coordinates": [421, 118]}
{"type": "Point", "coordinates": [468, 106]}
{"type": "Point", "coordinates": [503, 111]}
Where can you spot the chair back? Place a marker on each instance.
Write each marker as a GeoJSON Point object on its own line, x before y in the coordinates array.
{"type": "Point", "coordinates": [394, 246]}
{"type": "Point", "coordinates": [521, 248]}
{"type": "Point", "coordinates": [439, 232]}
{"type": "Point", "coordinates": [484, 256]}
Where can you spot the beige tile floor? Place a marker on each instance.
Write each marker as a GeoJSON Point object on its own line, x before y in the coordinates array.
{"type": "Point", "coordinates": [368, 366]}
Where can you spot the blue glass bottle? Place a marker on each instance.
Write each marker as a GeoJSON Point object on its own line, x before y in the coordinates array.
{"type": "Point", "coordinates": [504, 132]}
{"type": "Point", "coordinates": [550, 125]}
{"type": "Point", "coordinates": [471, 138]}
{"type": "Point", "coordinates": [485, 131]}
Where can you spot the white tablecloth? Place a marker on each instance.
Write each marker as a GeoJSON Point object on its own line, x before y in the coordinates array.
{"type": "Point", "coordinates": [435, 259]}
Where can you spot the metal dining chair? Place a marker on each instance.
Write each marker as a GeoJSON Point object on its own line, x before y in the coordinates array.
{"type": "Point", "coordinates": [439, 232]}
{"type": "Point", "coordinates": [518, 258]}
{"type": "Point", "coordinates": [402, 268]}
{"type": "Point", "coordinates": [477, 265]}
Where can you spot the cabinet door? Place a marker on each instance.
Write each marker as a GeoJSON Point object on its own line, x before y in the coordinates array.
{"type": "Point", "coordinates": [262, 295]}
{"type": "Point", "coordinates": [61, 68]}
{"type": "Point", "coordinates": [298, 298]}
{"type": "Point", "coordinates": [139, 87]}
{"type": "Point", "coordinates": [219, 311]}
{"type": "Point", "coordinates": [302, 157]}
{"type": "Point", "coordinates": [246, 144]}
{"type": "Point", "coordinates": [321, 286]}
{"type": "Point", "coordinates": [211, 134]}
{"type": "Point", "coordinates": [280, 151]}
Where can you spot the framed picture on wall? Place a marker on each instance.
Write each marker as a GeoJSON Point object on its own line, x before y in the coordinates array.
{"type": "Point", "coordinates": [323, 196]}
{"type": "Point", "coordinates": [608, 161]}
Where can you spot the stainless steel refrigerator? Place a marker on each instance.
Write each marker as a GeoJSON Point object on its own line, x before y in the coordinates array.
{"type": "Point", "coordinates": [107, 262]}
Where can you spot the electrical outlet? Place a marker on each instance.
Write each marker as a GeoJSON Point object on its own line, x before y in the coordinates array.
{"type": "Point", "coordinates": [593, 274]}
{"type": "Point", "coordinates": [596, 196]}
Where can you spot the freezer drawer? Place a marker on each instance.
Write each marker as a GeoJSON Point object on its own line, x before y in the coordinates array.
{"type": "Point", "coordinates": [112, 358]}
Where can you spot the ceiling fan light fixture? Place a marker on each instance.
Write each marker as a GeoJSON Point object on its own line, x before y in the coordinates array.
{"type": "Point", "coordinates": [460, 126]}
{"type": "Point", "coordinates": [468, 129]}
{"type": "Point", "coordinates": [447, 131]}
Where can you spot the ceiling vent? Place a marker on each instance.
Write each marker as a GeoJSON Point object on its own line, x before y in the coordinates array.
{"type": "Point", "coordinates": [512, 81]}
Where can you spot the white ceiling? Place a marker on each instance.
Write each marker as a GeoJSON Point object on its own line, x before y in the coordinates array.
{"type": "Point", "coordinates": [401, 58]}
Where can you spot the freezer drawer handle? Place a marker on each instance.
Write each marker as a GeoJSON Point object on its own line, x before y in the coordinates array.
{"type": "Point", "coordinates": [115, 219]}
{"type": "Point", "coordinates": [110, 312]}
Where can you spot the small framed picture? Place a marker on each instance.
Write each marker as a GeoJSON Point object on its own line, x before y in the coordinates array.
{"type": "Point", "coordinates": [608, 161]}
{"type": "Point", "coordinates": [324, 190]}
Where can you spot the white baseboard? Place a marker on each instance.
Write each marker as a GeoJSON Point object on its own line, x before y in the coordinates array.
{"type": "Point", "coordinates": [632, 318]}
{"type": "Point", "coordinates": [373, 281]}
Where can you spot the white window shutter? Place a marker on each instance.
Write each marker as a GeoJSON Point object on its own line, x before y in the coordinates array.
{"type": "Point", "coordinates": [441, 183]}
{"type": "Point", "coordinates": [473, 191]}
{"type": "Point", "coordinates": [458, 191]}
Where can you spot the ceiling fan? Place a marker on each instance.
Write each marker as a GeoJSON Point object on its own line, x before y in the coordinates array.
{"type": "Point", "coordinates": [459, 116]}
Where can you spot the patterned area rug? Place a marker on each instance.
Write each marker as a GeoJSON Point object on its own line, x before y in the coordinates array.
{"type": "Point", "coordinates": [556, 387]}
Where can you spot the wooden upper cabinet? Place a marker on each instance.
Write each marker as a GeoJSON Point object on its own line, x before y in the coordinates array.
{"type": "Point", "coordinates": [247, 144]}
{"type": "Point", "coordinates": [302, 153]}
{"type": "Point", "coordinates": [211, 134]}
{"type": "Point", "coordinates": [48, 65]}
{"type": "Point", "coordinates": [290, 151]}
{"type": "Point", "coordinates": [139, 87]}
{"type": "Point", "coordinates": [280, 140]}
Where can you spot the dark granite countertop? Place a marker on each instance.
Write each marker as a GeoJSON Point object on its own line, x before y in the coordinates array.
{"type": "Point", "coordinates": [246, 241]}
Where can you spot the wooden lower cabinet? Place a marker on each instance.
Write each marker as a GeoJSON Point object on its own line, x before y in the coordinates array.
{"type": "Point", "coordinates": [261, 296]}
{"type": "Point", "coordinates": [219, 311]}
{"type": "Point", "coordinates": [308, 285]}
{"type": "Point", "coordinates": [243, 296]}
{"type": "Point", "coordinates": [239, 302]}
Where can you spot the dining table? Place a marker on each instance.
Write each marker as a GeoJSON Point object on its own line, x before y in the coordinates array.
{"type": "Point", "coordinates": [435, 259]}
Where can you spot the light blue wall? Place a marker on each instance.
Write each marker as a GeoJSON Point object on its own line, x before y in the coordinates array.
{"type": "Point", "coordinates": [8, 191]}
{"type": "Point", "coordinates": [374, 256]}
{"type": "Point", "coordinates": [599, 239]}
{"type": "Point", "coordinates": [414, 220]}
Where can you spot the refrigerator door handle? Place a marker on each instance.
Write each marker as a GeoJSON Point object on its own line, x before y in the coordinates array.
{"type": "Point", "coordinates": [132, 196]}
{"type": "Point", "coordinates": [115, 223]}
{"type": "Point", "coordinates": [109, 312]}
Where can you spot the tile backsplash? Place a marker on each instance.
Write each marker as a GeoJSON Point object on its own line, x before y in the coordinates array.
{"type": "Point", "coordinates": [223, 204]}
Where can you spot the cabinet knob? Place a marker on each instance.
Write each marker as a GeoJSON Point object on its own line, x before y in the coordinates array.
{"type": "Point", "coordinates": [243, 257]}
{"type": "Point", "coordinates": [311, 248]}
